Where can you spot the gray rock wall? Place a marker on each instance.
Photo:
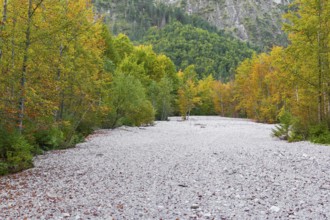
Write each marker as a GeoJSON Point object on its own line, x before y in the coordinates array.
{"type": "Point", "coordinates": [242, 17]}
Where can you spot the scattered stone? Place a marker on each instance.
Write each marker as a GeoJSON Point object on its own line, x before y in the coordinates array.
{"type": "Point", "coordinates": [246, 209]}
{"type": "Point", "coordinates": [274, 209]}
{"type": "Point", "coordinates": [194, 206]}
{"type": "Point", "coordinates": [144, 170]}
{"type": "Point", "coordinates": [283, 137]}
{"type": "Point", "coordinates": [325, 186]}
{"type": "Point", "coordinates": [232, 172]}
{"type": "Point", "coordinates": [66, 215]}
{"type": "Point", "coordinates": [51, 195]}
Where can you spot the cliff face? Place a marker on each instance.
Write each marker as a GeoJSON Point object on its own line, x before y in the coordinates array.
{"type": "Point", "coordinates": [256, 21]}
{"type": "Point", "coordinates": [252, 20]}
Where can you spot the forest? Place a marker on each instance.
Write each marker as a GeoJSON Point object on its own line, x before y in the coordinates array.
{"type": "Point", "coordinates": [214, 54]}
{"type": "Point", "coordinates": [64, 75]}
{"type": "Point", "coordinates": [135, 17]}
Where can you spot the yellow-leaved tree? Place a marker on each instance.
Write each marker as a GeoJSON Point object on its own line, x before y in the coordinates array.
{"type": "Point", "coordinates": [309, 33]}
{"type": "Point", "coordinates": [188, 91]}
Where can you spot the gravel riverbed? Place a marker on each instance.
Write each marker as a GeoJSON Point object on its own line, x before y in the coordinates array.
{"type": "Point", "coordinates": [204, 168]}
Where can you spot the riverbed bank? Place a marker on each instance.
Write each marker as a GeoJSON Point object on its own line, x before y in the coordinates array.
{"type": "Point", "coordinates": [204, 168]}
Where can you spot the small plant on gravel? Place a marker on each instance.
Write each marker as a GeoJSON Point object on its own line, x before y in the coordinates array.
{"type": "Point", "coordinates": [289, 127]}
{"type": "Point", "coordinates": [282, 129]}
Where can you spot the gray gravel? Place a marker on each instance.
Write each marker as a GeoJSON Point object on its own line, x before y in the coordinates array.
{"type": "Point", "coordinates": [204, 168]}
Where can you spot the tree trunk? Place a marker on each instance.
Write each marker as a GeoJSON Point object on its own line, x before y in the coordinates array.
{"type": "Point", "coordinates": [164, 112]}
{"type": "Point", "coordinates": [320, 65]}
{"type": "Point", "coordinates": [21, 107]}
{"type": "Point", "coordinates": [3, 22]}
{"type": "Point", "coordinates": [59, 113]}
{"type": "Point", "coordinates": [222, 107]}
{"type": "Point", "coordinates": [4, 17]}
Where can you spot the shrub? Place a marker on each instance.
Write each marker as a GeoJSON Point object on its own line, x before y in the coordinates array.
{"type": "Point", "coordinates": [129, 104]}
{"type": "Point", "coordinates": [282, 129]}
{"type": "Point", "coordinates": [15, 152]}
{"type": "Point", "coordinates": [289, 128]}
{"type": "Point", "coordinates": [143, 114]}
{"type": "Point", "coordinates": [319, 134]}
{"type": "Point", "coordinates": [87, 127]}
{"type": "Point", "coordinates": [3, 168]}
{"type": "Point", "coordinates": [50, 138]}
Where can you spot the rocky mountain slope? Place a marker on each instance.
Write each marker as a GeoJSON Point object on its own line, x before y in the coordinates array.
{"type": "Point", "coordinates": [253, 20]}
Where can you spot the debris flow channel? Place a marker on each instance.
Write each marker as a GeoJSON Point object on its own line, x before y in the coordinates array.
{"type": "Point", "coordinates": [203, 168]}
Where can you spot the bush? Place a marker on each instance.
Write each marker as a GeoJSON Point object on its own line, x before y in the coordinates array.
{"type": "Point", "coordinates": [319, 134]}
{"type": "Point", "coordinates": [50, 138]}
{"type": "Point", "coordinates": [143, 114]}
{"type": "Point", "coordinates": [15, 153]}
{"type": "Point", "coordinates": [289, 128]}
{"type": "Point", "coordinates": [3, 168]}
{"type": "Point", "coordinates": [282, 129]}
{"type": "Point", "coordinates": [86, 127]}
{"type": "Point", "coordinates": [72, 140]}
{"type": "Point", "coordinates": [129, 104]}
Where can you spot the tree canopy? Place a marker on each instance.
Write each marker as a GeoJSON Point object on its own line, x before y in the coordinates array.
{"type": "Point", "coordinates": [211, 53]}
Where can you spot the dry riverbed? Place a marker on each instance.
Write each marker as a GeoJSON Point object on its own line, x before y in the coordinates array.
{"type": "Point", "coordinates": [204, 168]}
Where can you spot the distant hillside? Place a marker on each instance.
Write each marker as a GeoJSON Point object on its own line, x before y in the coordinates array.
{"type": "Point", "coordinates": [210, 53]}
{"type": "Point", "coordinates": [253, 20]}
{"type": "Point", "coordinates": [135, 17]}
{"type": "Point", "coordinates": [258, 22]}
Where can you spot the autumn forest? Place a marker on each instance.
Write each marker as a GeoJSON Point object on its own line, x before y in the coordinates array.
{"type": "Point", "coordinates": [64, 74]}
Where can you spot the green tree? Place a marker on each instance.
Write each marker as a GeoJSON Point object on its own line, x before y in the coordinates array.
{"type": "Point", "coordinates": [205, 89]}
{"type": "Point", "coordinates": [188, 92]}
{"type": "Point", "coordinates": [128, 102]}
{"type": "Point", "coordinates": [309, 33]}
{"type": "Point", "coordinates": [164, 99]}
